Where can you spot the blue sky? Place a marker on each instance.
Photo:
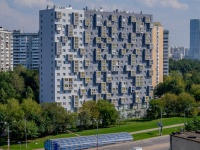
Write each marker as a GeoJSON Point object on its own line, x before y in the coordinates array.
{"type": "Point", "coordinates": [174, 15]}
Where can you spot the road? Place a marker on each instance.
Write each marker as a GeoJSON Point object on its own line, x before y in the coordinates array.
{"type": "Point", "coordinates": [157, 143]}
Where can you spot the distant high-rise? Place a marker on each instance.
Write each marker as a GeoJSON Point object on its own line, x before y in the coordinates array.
{"type": "Point", "coordinates": [166, 52]}
{"type": "Point", "coordinates": [6, 47]}
{"type": "Point", "coordinates": [194, 39]}
{"type": "Point", "coordinates": [157, 54]}
{"type": "Point", "coordinates": [25, 49]}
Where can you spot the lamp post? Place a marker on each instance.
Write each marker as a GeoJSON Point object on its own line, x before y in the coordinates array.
{"type": "Point", "coordinates": [97, 121]}
{"type": "Point", "coordinates": [161, 125]}
{"type": "Point", "coordinates": [20, 146]}
{"type": "Point", "coordinates": [8, 129]}
{"type": "Point", "coordinates": [160, 122]}
{"type": "Point", "coordinates": [8, 135]}
{"type": "Point", "coordinates": [184, 113]}
{"type": "Point", "coordinates": [25, 132]}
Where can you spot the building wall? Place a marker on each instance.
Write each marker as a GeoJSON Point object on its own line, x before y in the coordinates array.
{"type": "Point", "coordinates": [92, 55]}
{"type": "Point", "coordinates": [166, 52]}
{"type": "Point", "coordinates": [178, 143]}
{"type": "Point", "coordinates": [194, 39]}
{"type": "Point", "coordinates": [6, 46]}
{"type": "Point", "coordinates": [26, 49]}
{"type": "Point", "coordinates": [157, 54]}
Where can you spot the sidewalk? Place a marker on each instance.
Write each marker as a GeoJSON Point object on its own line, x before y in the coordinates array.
{"type": "Point", "coordinates": [153, 129]}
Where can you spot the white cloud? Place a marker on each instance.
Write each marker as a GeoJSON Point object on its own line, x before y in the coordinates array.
{"type": "Point", "coordinates": [31, 3]}
{"type": "Point", "coordinates": [165, 3]}
{"type": "Point", "coordinates": [13, 19]}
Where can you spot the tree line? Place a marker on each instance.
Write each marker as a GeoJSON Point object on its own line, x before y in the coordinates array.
{"type": "Point", "coordinates": [20, 109]}
{"type": "Point", "coordinates": [20, 83]}
{"type": "Point", "coordinates": [30, 119]}
{"type": "Point", "coordinates": [180, 91]}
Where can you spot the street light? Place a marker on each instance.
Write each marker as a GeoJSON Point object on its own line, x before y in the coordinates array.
{"type": "Point", "coordinates": [97, 121]}
{"type": "Point", "coordinates": [25, 133]}
{"type": "Point", "coordinates": [184, 113]}
{"type": "Point", "coordinates": [20, 145]}
{"type": "Point", "coordinates": [160, 122]}
{"type": "Point", "coordinates": [8, 134]}
{"type": "Point", "coordinates": [161, 125]}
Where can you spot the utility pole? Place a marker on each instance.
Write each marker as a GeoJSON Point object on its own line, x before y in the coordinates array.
{"type": "Point", "coordinates": [161, 122]}
{"type": "Point", "coordinates": [25, 132]}
{"type": "Point", "coordinates": [8, 136]}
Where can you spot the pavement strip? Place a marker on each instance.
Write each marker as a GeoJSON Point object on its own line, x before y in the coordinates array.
{"type": "Point", "coordinates": [165, 127]}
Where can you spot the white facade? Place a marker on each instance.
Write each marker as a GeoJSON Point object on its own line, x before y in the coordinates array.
{"type": "Point", "coordinates": [6, 47]}
{"type": "Point", "coordinates": [92, 55]}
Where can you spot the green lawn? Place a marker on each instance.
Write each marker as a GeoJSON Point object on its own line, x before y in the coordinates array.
{"type": "Point", "coordinates": [151, 134]}
{"type": "Point", "coordinates": [130, 126]}
{"type": "Point", "coordinates": [35, 144]}
{"type": "Point", "coordinates": [136, 125]}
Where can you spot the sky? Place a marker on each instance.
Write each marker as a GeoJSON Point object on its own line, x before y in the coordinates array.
{"type": "Point", "coordinates": [174, 15]}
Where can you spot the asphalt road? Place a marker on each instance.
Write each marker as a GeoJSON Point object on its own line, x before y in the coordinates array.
{"type": "Point", "coordinates": [158, 143]}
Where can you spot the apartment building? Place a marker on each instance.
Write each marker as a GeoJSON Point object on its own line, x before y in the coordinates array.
{"type": "Point", "coordinates": [92, 55]}
{"type": "Point", "coordinates": [6, 55]}
{"type": "Point", "coordinates": [166, 52]}
{"type": "Point", "coordinates": [178, 52]}
{"type": "Point", "coordinates": [157, 54]}
{"type": "Point", "coordinates": [26, 49]}
{"type": "Point", "coordinates": [194, 39]}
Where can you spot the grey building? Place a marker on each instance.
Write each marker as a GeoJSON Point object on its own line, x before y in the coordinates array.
{"type": "Point", "coordinates": [92, 55]}
{"type": "Point", "coordinates": [26, 49]}
{"type": "Point", "coordinates": [166, 52]}
{"type": "Point", "coordinates": [194, 39]}
{"type": "Point", "coordinates": [6, 47]}
{"type": "Point", "coordinates": [178, 52]}
{"type": "Point", "coordinates": [185, 141]}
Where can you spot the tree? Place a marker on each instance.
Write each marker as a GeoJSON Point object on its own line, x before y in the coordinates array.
{"type": "Point", "coordinates": [92, 107]}
{"type": "Point", "coordinates": [71, 119]}
{"type": "Point", "coordinates": [154, 108]}
{"type": "Point", "coordinates": [29, 93]}
{"type": "Point", "coordinates": [17, 82]}
{"type": "Point", "coordinates": [12, 111]}
{"type": "Point", "coordinates": [172, 84]}
{"type": "Point", "coordinates": [170, 103]}
{"type": "Point", "coordinates": [107, 113]}
{"type": "Point", "coordinates": [30, 108]}
{"type": "Point", "coordinates": [84, 117]}
{"type": "Point", "coordinates": [193, 125]}
{"type": "Point", "coordinates": [55, 118]}
{"type": "Point", "coordinates": [184, 102]}
{"type": "Point", "coordinates": [195, 91]}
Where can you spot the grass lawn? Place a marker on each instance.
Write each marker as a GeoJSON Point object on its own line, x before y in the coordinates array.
{"type": "Point", "coordinates": [34, 144]}
{"type": "Point", "coordinates": [151, 134]}
{"type": "Point", "coordinates": [130, 126]}
{"type": "Point", "coordinates": [136, 125]}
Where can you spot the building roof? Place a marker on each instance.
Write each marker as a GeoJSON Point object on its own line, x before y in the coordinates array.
{"type": "Point", "coordinates": [85, 142]}
{"type": "Point", "coordinates": [192, 136]}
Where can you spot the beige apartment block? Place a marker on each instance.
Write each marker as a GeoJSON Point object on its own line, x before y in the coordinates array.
{"type": "Point", "coordinates": [157, 54]}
